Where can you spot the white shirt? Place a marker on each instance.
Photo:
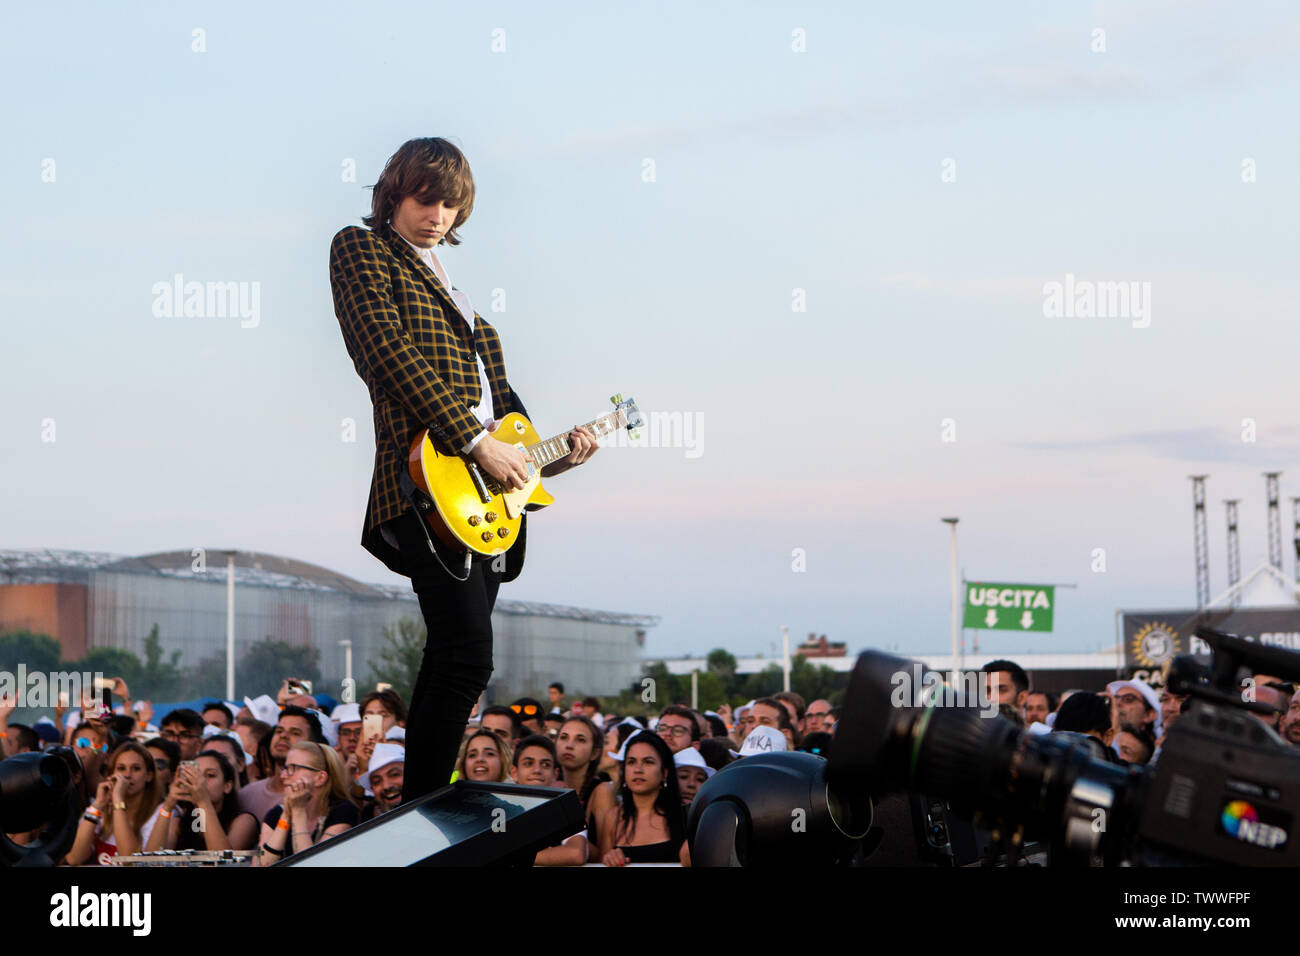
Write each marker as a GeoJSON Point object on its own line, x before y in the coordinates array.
{"type": "Point", "coordinates": [482, 411]}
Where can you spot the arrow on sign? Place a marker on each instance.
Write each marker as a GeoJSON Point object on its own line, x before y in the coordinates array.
{"type": "Point", "coordinates": [990, 618]}
{"type": "Point", "coordinates": [1027, 619]}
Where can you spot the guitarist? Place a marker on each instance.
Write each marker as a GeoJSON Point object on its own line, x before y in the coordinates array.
{"type": "Point", "coordinates": [430, 361]}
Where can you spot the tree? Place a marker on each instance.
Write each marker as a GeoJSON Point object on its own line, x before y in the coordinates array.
{"type": "Point", "coordinates": [268, 662]}
{"type": "Point", "coordinates": [110, 662]}
{"type": "Point", "coordinates": [722, 665]}
{"type": "Point", "coordinates": [159, 679]}
{"type": "Point", "coordinates": [36, 652]}
{"type": "Point", "coordinates": [763, 684]}
{"type": "Point", "coordinates": [814, 681]}
{"type": "Point", "coordinates": [207, 678]}
{"type": "Point", "coordinates": [400, 656]}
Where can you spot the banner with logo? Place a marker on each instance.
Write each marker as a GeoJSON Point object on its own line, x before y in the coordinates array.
{"type": "Point", "coordinates": [1152, 638]}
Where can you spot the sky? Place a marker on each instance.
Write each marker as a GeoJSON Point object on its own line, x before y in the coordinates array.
{"type": "Point", "coordinates": [823, 234]}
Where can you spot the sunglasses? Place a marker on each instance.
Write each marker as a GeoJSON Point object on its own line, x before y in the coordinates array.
{"type": "Point", "coordinates": [85, 744]}
{"type": "Point", "coordinates": [529, 710]}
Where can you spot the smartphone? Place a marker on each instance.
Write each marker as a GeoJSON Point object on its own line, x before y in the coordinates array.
{"type": "Point", "coordinates": [381, 687]}
{"type": "Point", "coordinates": [300, 687]}
{"type": "Point", "coordinates": [103, 683]}
{"type": "Point", "coordinates": [372, 724]}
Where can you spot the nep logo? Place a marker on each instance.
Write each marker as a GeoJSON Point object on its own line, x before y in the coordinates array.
{"type": "Point", "coordinates": [1241, 821]}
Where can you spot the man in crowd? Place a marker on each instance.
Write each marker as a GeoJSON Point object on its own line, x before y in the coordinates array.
{"type": "Point", "coordinates": [1006, 683]}
{"type": "Point", "coordinates": [347, 724]}
{"type": "Point", "coordinates": [770, 712]}
{"type": "Point", "coordinates": [555, 694]}
{"type": "Point", "coordinates": [530, 714]}
{"type": "Point", "coordinates": [294, 726]}
{"type": "Point", "coordinates": [814, 718]}
{"type": "Point", "coordinates": [1291, 722]}
{"type": "Point", "coordinates": [1135, 744]}
{"type": "Point", "coordinates": [678, 728]}
{"type": "Point", "coordinates": [184, 728]}
{"type": "Point", "coordinates": [218, 715]}
{"type": "Point", "coordinates": [387, 768]}
{"type": "Point", "coordinates": [502, 721]}
{"type": "Point", "coordinates": [534, 762]}
{"type": "Point", "coordinates": [1038, 704]}
{"type": "Point", "coordinates": [1136, 703]}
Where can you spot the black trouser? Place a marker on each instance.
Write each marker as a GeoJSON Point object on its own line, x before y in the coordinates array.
{"type": "Point", "coordinates": [457, 660]}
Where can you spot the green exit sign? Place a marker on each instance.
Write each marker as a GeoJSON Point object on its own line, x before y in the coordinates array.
{"type": "Point", "coordinates": [1009, 607]}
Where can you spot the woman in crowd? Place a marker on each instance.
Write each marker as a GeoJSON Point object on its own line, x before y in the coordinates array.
{"type": "Point", "coordinates": [124, 812]}
{"type": "Point", "coordinates": [579, 746]}
{"type": "Point", "coordinates": [90, 741]}
{"type": "Point", "coordinates": [649, 826]}
{"type": "Point", "coordinates": [227, 744]}
{"type": "Point", "coordinates": [484, 757]}
{"type": "Point", "coordinates": [317, 804]}
{"type": "Point", "coordinates": [166, 758]}
{"type": "Point", "coordinates": [200, 810]}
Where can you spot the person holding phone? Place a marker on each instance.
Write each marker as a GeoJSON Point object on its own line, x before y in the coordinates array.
{"type": "Point", "coordinates": [200, 809]}
{"type": "Point", "coordinates": [381, 710]}
{"type": "Point", "coordinates": [124, 812]}
{"type": "Point", "coordinates": [317, 804]}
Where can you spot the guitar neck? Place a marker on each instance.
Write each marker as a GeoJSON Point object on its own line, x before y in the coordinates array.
{"type": "Point", "coordinates": [553, 449]}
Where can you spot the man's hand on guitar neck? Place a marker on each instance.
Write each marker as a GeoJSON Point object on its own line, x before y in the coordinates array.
{"type": "Point", "coordinates": [503, 461]}
{"type": "Point", "coordinates": [583, 445]}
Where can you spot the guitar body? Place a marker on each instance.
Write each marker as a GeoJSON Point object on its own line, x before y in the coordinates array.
{"type": "Point", "coordinates": [461, 517]}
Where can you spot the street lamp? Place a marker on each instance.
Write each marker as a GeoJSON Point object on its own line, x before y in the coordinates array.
{"type": "Point", "coordinates": [956, 673]}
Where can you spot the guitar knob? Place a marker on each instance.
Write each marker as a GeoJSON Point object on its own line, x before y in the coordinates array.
{"type": "Point", "coordinates": [490, 517]}
{"type": "Point", "coordinates": [474, 521]}
{"type": "Point", "coordinates": [487, 535]}
{"type": "Point", "coordinates": [502, 532]}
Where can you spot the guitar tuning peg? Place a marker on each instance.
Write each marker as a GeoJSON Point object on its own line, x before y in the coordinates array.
{"type": "Point", "coordinates": [635, 434]}
{"type": "Point", "coordinates": [616, 398]}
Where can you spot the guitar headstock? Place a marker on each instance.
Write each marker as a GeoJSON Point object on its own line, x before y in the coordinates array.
{"type": "Point", "coordinates": [628, 413]}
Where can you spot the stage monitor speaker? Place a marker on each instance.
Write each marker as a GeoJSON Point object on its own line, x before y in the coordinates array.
{"type": "Point", "coordinates": [465, 824]}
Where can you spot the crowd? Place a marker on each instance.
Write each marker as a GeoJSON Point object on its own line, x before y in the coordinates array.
{"type": "Point", "coordinates": [279, 776]}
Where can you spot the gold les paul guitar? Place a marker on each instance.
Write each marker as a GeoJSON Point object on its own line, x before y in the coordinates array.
{"type": "Point", "coordinates": [471, 511]}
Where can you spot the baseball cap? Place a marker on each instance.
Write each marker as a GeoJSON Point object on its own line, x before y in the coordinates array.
{"type": "Point", "coordinates": [761, 740]}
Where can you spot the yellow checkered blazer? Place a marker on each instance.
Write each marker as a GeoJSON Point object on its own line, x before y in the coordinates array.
{"type": "Point", "coordinates": [413, 349]}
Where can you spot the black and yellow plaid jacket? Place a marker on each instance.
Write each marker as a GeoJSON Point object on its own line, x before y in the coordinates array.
{"type": "Point", "coordinates": [414, 350]}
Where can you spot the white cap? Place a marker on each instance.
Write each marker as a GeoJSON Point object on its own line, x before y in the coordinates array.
{"type": "Point", "coordinates": [264, 708]}
{"type": "Point", "coordinates": [396, 733]}
{"type": "Point", "coordinates": [1148, 694]}
{"type": "Point", "coordinates": [327, 727]}
{"type": "Point", "coordinates": [690, 757]}
{"type": "Point", "coordinates": [622, 751]}
{"type": "Point", "coordinates": [384, 755]}
{"type": "Point", "coordinates": [761, 740]}
{"type": "Point", "coordinates": [346, 714]}
{"type": "Point", "coordinates": [1038, 728]}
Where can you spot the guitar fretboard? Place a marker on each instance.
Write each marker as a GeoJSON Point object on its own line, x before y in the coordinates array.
{"type": "Point", "coordinates": [553, 449]}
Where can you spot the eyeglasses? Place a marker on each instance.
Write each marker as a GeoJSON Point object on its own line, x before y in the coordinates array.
{"type": "Point", "coordinates": [817, 714]}
{"type": "Point", "coordinates": [162, 764]}
{"type": "Point", "coordinates": [293, 767]}
{"type": "Point", "coordinates": [528, 709]}
{"type": "Point", "coordinates": [85, 744]}
{"type": "Point", "coordinates": [173, 735]}
{"type": "Point", "coordinates": [1128, 699]}
{"type": "Point", "coordinates": [674, 731]}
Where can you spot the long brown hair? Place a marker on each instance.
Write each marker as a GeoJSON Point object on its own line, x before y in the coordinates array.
{"type": "Point", "coordinates": [150, 796]}
{"type": "Point", "coordinates": [504, 751]}
{"type": "Point", "coordinates": [428, 169]}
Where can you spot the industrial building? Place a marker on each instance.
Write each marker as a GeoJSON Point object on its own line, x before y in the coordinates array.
{"type": "Point", "coordinates": [89, 599]}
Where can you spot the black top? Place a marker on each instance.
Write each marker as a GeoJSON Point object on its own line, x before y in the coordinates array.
{"type": "Point", "coordinates": [341, 812]}
{"type": "Point", "coordinates": [666, 852]}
